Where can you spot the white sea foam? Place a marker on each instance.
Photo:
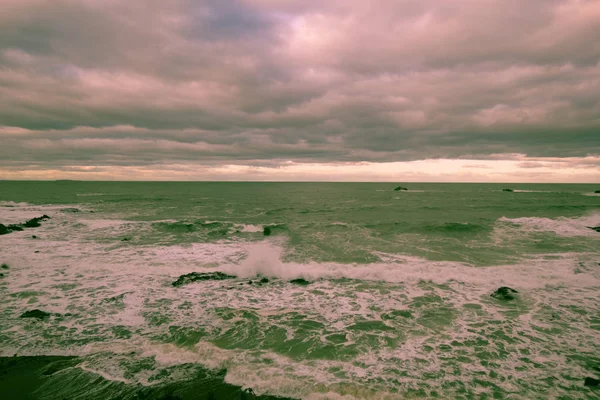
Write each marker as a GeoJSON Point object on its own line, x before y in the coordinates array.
{"type": "Point", "coordinates": [561, 226]}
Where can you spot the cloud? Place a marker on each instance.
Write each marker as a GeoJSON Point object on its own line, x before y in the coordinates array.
{"type": "Point", "coordinates": [241, 82]}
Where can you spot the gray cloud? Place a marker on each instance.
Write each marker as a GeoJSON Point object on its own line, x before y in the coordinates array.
{"type": "Point", "coordinates": [264, 81]}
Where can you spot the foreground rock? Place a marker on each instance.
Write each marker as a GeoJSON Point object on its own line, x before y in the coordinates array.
{"type": "Point", "coordinates": [201, 276]}
{"type": "Point", "coordinates": [39, 314]}
{"type": "Point", "coordinates": [507, 190]}
{"type": "Point", "coordinates": [401, 188]}
{"type": "Point", "coordinates": [591, 382]}
{"type": "Point", "coordinates": [504, 293]}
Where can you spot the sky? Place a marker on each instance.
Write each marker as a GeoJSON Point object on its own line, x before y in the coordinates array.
{"type": "Point", "coordinates": [301, 90]}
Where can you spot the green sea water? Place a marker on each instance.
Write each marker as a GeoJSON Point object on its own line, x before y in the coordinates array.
{"type": "Point", "coordinates": [394, 300]}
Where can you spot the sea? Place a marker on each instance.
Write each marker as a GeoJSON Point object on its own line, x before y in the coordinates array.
{"type": "Point", "coordinates": [355, 290]}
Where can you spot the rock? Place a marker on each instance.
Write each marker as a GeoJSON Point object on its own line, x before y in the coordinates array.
{"type": "Point", "coordinates": [14, 227]}
{"type": "Point", "coordinates": [400, 188]}
{"type": "Point", "coordinates": [591, 382]}
{"type": "Point", "coordinates": [264, 280]}
{"type": "Point", "coordinates": [595, 228]}
{"type": "Point", "coordinates": [35, 222]}
{"type": "Point", "coordinates": [125, 240]}
{"type": "Point", "coordinates": [1, 275]}
{"type": "Point", "coordinates": [4, 229]}
{"type": "Point", "coordinates": [300, 281]}
{"type": "Point", "coordinates": [39, 314]}
{"type": "Point", "coordinates": [507, 190]}
{"type": "Point", "coordinates": [201, 276]}
{"type": "Point", "coordinates": [4, 266]}
{"type": "Point", "coordinates": [267, 231]}
{"type": "Point", "coordinates": [504, 293]}
{"type": "Point", "coordinates": [597, 191]}
{"type": "Point", "coordinates": [33, 237]}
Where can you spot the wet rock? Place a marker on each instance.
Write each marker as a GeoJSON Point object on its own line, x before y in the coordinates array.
{"type": "Point", "coordinates": [504, 293]}
{"type": "Point", "coordinates": [35, 222]}
{"type": "Point", "coordinates": [591, 382]}
{"type": "Point", "coordinates": [300, 281]}
{"type": "Point", "coordinates": [507, 190]}
{"type": "Point", "coordinates": [201, 276]}
{"type": "Point", "coordinates": [595, 228]}
{"type": "Point", "coordinates": [400, 188]}
{"type": "Point", "coordinates": [39, 314]}
{"type": "Point", "coordinates": [267, 231]}
{"type": "Point", "coordinates": [4, 266]}
{"type": "Point", "coordinates": [264, 280]}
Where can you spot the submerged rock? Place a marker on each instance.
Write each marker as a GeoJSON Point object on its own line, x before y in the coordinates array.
{"type": "Point", "coordinates": [300, 281]}
{"type": "Point", "coordinates": [201, 276]}
{"type": "Point", "coordinates": [504, 293]}
{"type": "Point", "coordinates": [39, 314]}
{"type": "Point", "coordinates": [70, 210]}
{"type": "Point", "coordinates": [591, 382]}
{"type": "Point", "coordinates": [401, 188]}
{"type": "Point", "coordinates": [507, 190]}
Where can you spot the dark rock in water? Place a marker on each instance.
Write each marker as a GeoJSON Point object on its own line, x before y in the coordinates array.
{"type": "Point", "coordinates": [4, 266]}
{"type": "Point", "coordinates": [504, 293]}
{"type": "Point", "coordinates": [250, 282]}
{"type": "Point", "coordinates": [33, 237]}
{"type": "Point", "coordinates": [591, 382]}
{"type": "Point", "coordinates": [595, 228]}
{"type": "Point", "coordinates": [4, 229]}
{"type": "Point", "coordinates": [507, 190]}
{"type": "Point", "coordinates": [35, 222]}
{"type": "Point", "coordinates": [400, 188]}
{"type": "Point", "coordinates": [264, 280]}
{"type": "Point", "coordinates": [267, 230]}
{"type": "Point", "coordinates": [201, 276]}
{"type": "Point", "coordinates": [39, 314]}
{"type": "Point", "coordinates": [300, 281]}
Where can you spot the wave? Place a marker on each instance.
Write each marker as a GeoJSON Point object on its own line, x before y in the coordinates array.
{"type": "Point", "coordinates": [562, 226]}
{"type": "Point", "coordinates": [266, 259]}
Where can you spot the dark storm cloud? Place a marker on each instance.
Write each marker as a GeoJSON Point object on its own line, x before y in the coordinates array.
{"type": "Point", "coordinates": [115, 82]}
